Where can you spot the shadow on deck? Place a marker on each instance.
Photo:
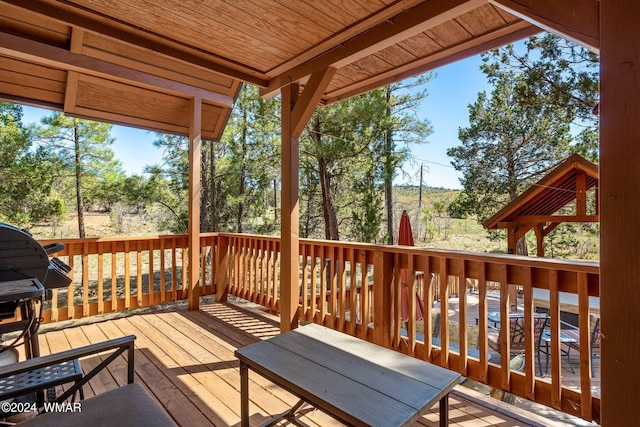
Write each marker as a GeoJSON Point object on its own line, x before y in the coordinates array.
{"type": "Point", "coordinates": [185, 359]}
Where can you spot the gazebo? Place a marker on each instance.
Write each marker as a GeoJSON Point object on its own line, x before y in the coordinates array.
{"type": "Point", "coordinates": [538, 207]}
{"type": "Point", "coordinates": [176, 66]}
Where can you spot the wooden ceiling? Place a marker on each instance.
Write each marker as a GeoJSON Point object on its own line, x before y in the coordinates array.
{"type": "Point", "coordinates": [140, 62]}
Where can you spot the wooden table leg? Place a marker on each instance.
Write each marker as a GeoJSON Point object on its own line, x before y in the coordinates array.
{"type": "Point", "coordinates": [444, 411]}
{"type": "Point", "coordinates": [244, 395]}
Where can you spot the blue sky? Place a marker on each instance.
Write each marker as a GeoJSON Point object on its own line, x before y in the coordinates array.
{"type": "Point", "coordinates": [446, 107]}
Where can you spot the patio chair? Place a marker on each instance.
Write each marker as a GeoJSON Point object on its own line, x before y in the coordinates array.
{"type": "Point", "coordinates": [129, 405]}
{"type": "Point", "coordinates": [517, 336]}
{"type": "Point", "coordinates": [594, 340]}
{"type": "Point", "coordinates": [39, 374]}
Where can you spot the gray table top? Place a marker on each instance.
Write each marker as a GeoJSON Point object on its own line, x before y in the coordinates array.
{"type": "Point", "coordinates": [355, 381]}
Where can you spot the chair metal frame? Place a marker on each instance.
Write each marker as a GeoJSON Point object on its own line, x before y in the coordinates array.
{"type": "Point", "coordinates": [117, 345]}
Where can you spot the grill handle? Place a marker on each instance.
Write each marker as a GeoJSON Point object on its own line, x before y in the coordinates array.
{"type": "Point", "coordinates": [53, 248]}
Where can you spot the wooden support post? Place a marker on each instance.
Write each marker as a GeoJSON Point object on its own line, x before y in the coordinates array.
{"type": "Point", "coordinates": [382, 282]}
{"type": "Point", "coordinates": [511, 240]}
{"type": "Point", "coordinates": [539, 230]}
{"type": "Point", "coordinates": [295, 114]}
{"type": "Point", "coordinates": [289, 228]}
{"type": "Point", "coordinates": [222, 268]}
{"type": "Point", "coordinates": [195, 143]}
{"type": "Point", "coordinates": [619, 204]}
{"type": "Point", "coordinates": [581, 194]}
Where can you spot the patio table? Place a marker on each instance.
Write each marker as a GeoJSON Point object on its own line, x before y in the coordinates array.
{"type": "Point", "coordinates": [354, 381]}
{"type": "Point", "coordinates": [564, 339]}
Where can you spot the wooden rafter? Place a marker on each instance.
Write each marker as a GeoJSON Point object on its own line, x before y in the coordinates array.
{"type": "Point", "coordinates": [532, 219]}
{"type": "Point", "coordinates": [412, 21]}
{"type": "Point", "coordinates": [44, 54]}
{"type": "Point", "coordinates": [155, 42]}
{"type": "Point", "coordinates": [508, 34]}
{"type": "Point", "coordinates": [577, 20]}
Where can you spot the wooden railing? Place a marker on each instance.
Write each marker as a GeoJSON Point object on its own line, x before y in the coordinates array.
{"type": "Point", "coordinates": [354, 288]}
{"type": "Point", "coordinates": [117, 274]}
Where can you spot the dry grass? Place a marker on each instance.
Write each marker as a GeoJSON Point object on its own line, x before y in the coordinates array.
{"type": "Point", "coordinates": [97, 224]}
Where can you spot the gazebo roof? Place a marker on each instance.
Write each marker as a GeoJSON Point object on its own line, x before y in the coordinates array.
{"type": "Point", "coordinates": [139, 62]}
{"type": "Point", "coordinates": [568, 181]}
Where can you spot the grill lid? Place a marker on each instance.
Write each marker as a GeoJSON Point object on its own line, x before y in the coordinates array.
{"type": "Point", "coordinates": [22, 257]}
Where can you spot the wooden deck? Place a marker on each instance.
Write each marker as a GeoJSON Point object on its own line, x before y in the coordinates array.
{"type": "Point", "coordinates": [185, 359]}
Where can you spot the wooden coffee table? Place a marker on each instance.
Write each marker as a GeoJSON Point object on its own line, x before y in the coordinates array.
{"type": "Point", "coordinates": [354, 381]}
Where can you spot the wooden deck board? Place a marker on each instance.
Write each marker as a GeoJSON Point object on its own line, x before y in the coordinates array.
{"type": "Point", "coordinates": [185, 359]}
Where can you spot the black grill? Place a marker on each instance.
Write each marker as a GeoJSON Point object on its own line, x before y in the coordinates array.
{"type": "Point", "coordinates": [26, 273]}
{"type": "Point", "coordinates": [22, 257]}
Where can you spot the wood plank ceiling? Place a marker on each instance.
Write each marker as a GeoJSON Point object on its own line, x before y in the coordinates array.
{"type": "Point", "coordinates": [139, 62]}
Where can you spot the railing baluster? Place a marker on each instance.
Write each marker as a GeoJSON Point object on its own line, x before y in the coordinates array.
{"type": "Point", "coordinates": [359, 295]}
{"type": "Point", "coordinates": [444, 311]}
{"type": "Point", "coordinates": [530, 345]}
{"type": "Point", "coordinates": [505, 329]}
{"type": "Point", "coordinates": [585, 327]}
{"type": "Point", "coordinates": [174, 270]}
{"type": "Point", "coordinates": [139, 291]}
{"type": "Point", "coordinates": [114, 279]}
{"type": "Point", "coordinates": [462, 323]}
{"type": "Point", "coordinates": [71, 287]}
{"type": "Point", "coordinates": [151, 270]}
{"type": "Point", "coordinates": [483, 314]}
{"type": "Point", "coordinates": [100, 278]}
{"type": "Point", "coordinates": [364, 292]}
{"type": "Point", "coordinates": [396, 339]}
{"type": "Point", "coordinates": [85, 280]}
{"type": "Point", "coordinates": [342, 297]}
{"type": "Point", "coordinates": [554, 311]}
{"type": "Point", "coordinates": [163, 284]}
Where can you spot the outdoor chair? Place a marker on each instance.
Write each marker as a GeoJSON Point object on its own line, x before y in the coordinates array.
{"type": "Point", "coordinates": [573, 342]}
{"type": "Point", "coordinates": [37, 375]}
{"type": "Point", "coordinates": [129, 405]}
{"type": "Point", "coordinates": [517, 336]}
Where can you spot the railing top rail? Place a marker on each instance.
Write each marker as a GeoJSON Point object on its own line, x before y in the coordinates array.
{"type": "Point", "coordinates": [592, 267]}
{"type": "Point", "coordinates": [122, 238]}
{"type": "Point", "coordinates": [519, 260]}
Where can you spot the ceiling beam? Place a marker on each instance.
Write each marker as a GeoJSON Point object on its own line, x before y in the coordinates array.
{"type": "Point", "coordinates": [344, 35]}
{"type": "Point", "coordinates": [410, 22]}
{"type": "Point", "coordinates": [576, 20]}
{"type": "Point", "coordinates": [45, 54]}
{"type": "Point", "coordinates": [138, 37]}
{"type": "Point", "coordinates": [529, 219]}
{"type": "Point", "coordinates": [517, 31]}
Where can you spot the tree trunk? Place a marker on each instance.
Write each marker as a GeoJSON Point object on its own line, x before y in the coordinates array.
{"type": "Point", "coordinates": [243, 175]}
{"type": "Point", "coordinates": [206, 183]}
{"type": "Point", "coordinates": [328, 206]}
{"type": "Point", "coordinates": [388, 173]}
{"type": "Point", "coordinates": [521, 244]}
{"type": "Point", "coordinates": [78, 170]}
{"type": "Point", "coordinates": [214, 190]}
{"type": "Point", "coordinates": [521, 247]}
